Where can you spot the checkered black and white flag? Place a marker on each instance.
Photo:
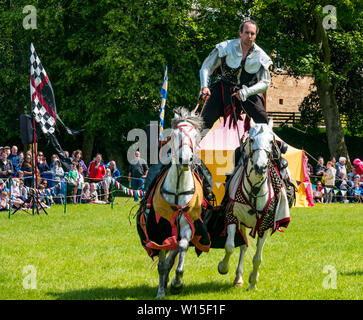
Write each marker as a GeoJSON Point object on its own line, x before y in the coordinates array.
{"type": "Point", "coordinates": [43, 105]}
{"type": "Point", "coordinates": [42, 95]}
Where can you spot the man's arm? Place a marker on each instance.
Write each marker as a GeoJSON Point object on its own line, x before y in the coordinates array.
{"type": "Point", "coordinates": [263, 81]}
{"type": "Point", "coordinates": [211, 63]}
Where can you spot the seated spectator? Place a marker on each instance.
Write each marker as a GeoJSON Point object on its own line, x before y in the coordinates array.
{"type": "Point", "coordinates": [52, 161]}
{"type": "Point", "coordinates": [23, 190]}
{"type": "Point", "coordinates": [4, 201]}
{"type": "Point", "coordinates": [44, 193]}
{"type": "Point", "coordinates": [20, 175]}
{"type": "Point", "coordinates": [15, 159]}
{"type": "Point", "coordinates": [17, 200]}
{"type": "Point", "coordinates": [42, 163]}
{"type": "Point", "coordinates": [28, 171]}
{"type": "Point", "coordinates": [318, 192]}
{"type": "Point", "coordinates": [86, 195]}
{"type": "Point", "coordinates": [320, 169]}
{"type": "Point", "coordinates": [341, 171]}
{"type": "Point", "coordinates": [94, 196]}
{"type": "Point", "coordinates": [343, 188]}
{"type": "Point", "coordinates": [57, 172]}
{"type": "Point", "coordinates": [329, 177]}
{"type": "Point", "coordinates": [354, 193]}
{"type": "Point", "coordinates": [6, 166]}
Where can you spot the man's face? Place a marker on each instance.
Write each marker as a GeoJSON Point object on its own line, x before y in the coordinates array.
{"type": "Point", "coordinates": [112, 164]}
{"type": "Point", "coordinates": [4, 155]}
{"type": "Point", "coordinates": [14, 150]}
{"type": "Point", "coordinates": [137, 154]}
{"type": "Point", "coordinates": [248, 34]}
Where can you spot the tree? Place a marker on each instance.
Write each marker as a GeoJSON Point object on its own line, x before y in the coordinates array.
{"type": "Point", "coordinates": [307, 34]}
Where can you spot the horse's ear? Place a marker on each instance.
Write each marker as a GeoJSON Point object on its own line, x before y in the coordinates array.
{"type": "Point", "coordinates": [271, 123]}
{"type": "Point", "coordinates": [252, 123]}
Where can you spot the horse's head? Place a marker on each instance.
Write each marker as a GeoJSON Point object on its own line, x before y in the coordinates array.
{"type": "Point", "coordinates": [185, 137]}
{"type": "Point", "coordinates": [259, 146]}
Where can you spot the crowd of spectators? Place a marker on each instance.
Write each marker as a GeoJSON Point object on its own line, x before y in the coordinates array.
{"type": "Point", "coordinates": [81, 184]}
{"type": "Point", "coordinates": [332, 182]}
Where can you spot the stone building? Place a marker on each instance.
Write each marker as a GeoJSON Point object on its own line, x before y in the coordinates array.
{"type": "Point", "coordinates": [286, 93]}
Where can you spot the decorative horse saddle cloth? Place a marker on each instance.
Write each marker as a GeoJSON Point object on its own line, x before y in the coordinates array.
{"type": "Point", "coordinates": [156, 222]}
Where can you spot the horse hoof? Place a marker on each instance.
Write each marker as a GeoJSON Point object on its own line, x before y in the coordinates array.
{"type": "Point", "coordinates": [220, 269]}
{"type": "Point", "coordinates": [176, 290]}
{"type": "Point", "coordinates": [238, 283]}
{"type": "Point", "coordinates": [252, 288]}
{"type": "Point", "coordinates": [160, 296]}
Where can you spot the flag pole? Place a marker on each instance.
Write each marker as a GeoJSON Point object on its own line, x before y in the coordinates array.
{"type": "Point", "coordinates": [35, 161]}
{"type": "Point", "coordinates": [163, 94]}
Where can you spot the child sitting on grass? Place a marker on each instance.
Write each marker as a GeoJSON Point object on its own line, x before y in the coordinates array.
{"type": "Point", "coordinates": [4, 201]}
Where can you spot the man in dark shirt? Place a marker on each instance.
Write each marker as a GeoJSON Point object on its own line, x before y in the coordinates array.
{"type": "Point", "coordinates": [6, 167]}
{"type": "Point", "coordinates": [137, 173]}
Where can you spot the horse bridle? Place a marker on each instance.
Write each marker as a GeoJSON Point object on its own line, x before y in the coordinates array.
{"type": "Point", "coordinates": [255, 187]}
{"type": "Point", "coordinates": [182, 143]}
{"type": "Point", "coordinates": [186, 135]}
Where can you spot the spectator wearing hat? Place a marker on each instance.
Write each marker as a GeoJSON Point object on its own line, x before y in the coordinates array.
{"type": "Point", "coordinates": [7, 150]}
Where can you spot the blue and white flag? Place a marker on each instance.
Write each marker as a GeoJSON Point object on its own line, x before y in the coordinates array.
{"type": "Point", "coordinates": [163, 93]}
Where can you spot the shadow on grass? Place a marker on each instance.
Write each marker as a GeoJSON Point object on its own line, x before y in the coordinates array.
{"type": "Point", "coordinates": [142, 292]}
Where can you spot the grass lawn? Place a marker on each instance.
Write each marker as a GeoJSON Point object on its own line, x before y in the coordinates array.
{"type": "Point", "coordinates": [93, 252]}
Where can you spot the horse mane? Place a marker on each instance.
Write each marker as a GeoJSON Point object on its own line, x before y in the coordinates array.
{"type": "Point", "coordinates": [182, 114]}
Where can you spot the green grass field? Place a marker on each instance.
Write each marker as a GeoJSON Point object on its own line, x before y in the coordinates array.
{"type": "Point", "coordinates": [93, 252]}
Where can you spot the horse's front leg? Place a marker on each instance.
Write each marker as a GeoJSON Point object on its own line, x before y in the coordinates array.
{"type": "Point", "coordinates": [169, 263]}
{"type": "Point", "coordinates": [223, 266]}
{"type": "Point", "coordinates": [162, 269]}
{"type": "Point", "coordinates": [185, 235]}
{"type": "Point", "coordinates": [257, 259]}
{"type": "Point", "coordinates": [238, 281]}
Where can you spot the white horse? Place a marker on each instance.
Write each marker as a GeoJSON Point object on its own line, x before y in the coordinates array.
{"type": "Point", "coordinates": [253, 200]}
{"type": "Point", "coordinates": [178, 189]}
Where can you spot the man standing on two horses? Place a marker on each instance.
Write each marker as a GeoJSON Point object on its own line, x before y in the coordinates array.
{"type": "Point", "coordinates": [243, 77]}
